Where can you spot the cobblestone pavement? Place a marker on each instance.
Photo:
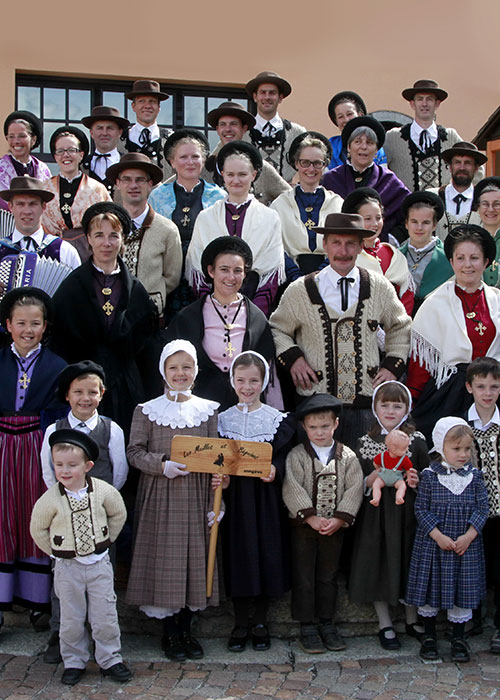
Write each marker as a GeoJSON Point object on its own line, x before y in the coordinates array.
{"type": "Point", "coordinates": [364, 671]}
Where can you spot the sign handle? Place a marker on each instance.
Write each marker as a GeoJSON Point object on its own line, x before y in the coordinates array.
{"type": "Point", "coordinates": [213, 540]}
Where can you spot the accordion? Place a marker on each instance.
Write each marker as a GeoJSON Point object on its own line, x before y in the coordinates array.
{"type": "Point", "coordinates": [30, 270]}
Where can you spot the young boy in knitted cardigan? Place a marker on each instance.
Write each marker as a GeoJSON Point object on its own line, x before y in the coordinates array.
{"type": "Point", "coordinates": [323, 489]}
{"type": "Point", "coordinates": [75, 521]}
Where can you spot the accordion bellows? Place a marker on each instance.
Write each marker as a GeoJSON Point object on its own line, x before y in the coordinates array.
{"type": "Point", "coordinates": [30, 270]}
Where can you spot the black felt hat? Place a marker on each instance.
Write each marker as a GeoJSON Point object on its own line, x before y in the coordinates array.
{"type": "Point", "coordinates": [29, 117]}
{"type": "Point", "coordinates": [478, 189]}
{"type": "Point", "coordinates": [317, 403]}
{"type": "Point", "coordinates": [77, 438]}
{"type": "Point", "coordinates": [240, 147]}
{"type": "Point", "coordinates": [370, 122]}
{"type": "Point", "coordinates": [71, 372]}
{"type": "Point", "coordinates": [291, 156]}
{"type": "Point", "coordinates": [182, 134]}
{"type": "Point", "coordinates": [232, 109]}
{"type": "Point", "coordinates": [433, 200]}
{"type": "Point", "coordinates": [225, 244]}
{"type": "Point", "coordinates": [80, 135]}
{"type": "Point", "coordinates": [358, 197]}
{"type": "Point", "coordinates": [15, 294]}
{"type": "Point", "coordinates": [487, 241]}
{"type": "Point", "coordinates": [107, 208]}
{"type": "Point", "coordinates": [344, 96]}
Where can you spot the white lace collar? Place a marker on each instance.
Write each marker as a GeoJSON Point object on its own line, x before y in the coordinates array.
{"type": "Point", "coordinates": [179, 414]}
{"type": "Point", "coordinates": [455, 480]}
{"type": "Point", "coordinates": [260, 425]}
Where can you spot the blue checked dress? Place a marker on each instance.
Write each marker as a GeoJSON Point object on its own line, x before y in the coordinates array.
{"type": "Point", "coordinates": [444, 579]}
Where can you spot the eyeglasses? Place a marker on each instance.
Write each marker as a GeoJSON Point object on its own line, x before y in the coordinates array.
{"type": "Point", "coordinates": [487, 205]}
{"type": "Point", "coordinates": [133, 180]}
{"type": "Point", "coordinates": [317, 164]}
{"type": "Point", "coordinates": [70, 151]}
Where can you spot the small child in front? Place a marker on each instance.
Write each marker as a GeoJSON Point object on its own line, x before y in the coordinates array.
{"type": "Point", "coordinates": [323, 489]}
{"type": "Point", "coordinates": [392, 465]}
{"type": "Point", "coordinates": [75, 521]}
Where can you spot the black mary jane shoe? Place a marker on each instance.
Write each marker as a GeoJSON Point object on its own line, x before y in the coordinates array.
{"type": "Point", "coordinates": [260, 638]}
{"type": "Point", "coordinates": [391, 644]}
{"type": "Point", "coordinates": [429, 649]}
{"type": "Point", "coordinates": [192, 647]}
{"type": "Point", "coordinates": [71, 676]}
{"type": "Point", "coordinates": [460, 651]}
{"type": "Point", "coordinates": [238, 639]}
{"type": "Point", "coordinates": [412, 631]}
{"type": "Point", "coordinates": [171, 645]}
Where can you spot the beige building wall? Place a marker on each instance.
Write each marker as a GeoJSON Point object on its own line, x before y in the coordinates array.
{"type": "Point", "coordinates": [376, 49]}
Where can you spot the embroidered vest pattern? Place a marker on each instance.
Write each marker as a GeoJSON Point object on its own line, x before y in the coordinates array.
{"type": "Point", "coordinates": [486, 444]}
{"type": "Point", "coordinates": [81, 521]}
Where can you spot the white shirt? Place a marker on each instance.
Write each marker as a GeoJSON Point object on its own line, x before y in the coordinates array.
{"type": "Point", "coordinates": [136, 131]}
{"type": "Point", "coordinates": [100, 165]}
{"type": "Point", "coordinates": [329, 288]}
{"type": "Point", "coordinates": [473, 416]}
{"type": "Point", "coordinates": [67, 254]}
{"type": "Point", "coordinates": [139, 220]}
{"type": "Point", "coordinates": [322, 452]}
{"type": "Point", "coordinates": [451, 206]}
{"type": "Point", "coordinates": [276, 124]}
{"type": "Point", "coordinates": [116, 448]}
{"type": "Point", "coordinates": [416, 130]}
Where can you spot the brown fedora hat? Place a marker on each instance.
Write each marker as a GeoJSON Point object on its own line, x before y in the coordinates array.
{"type": "Point", "coordinates": [101, 113]}
{"type": "Point", "coordinates": [425, 86]}
{"type": "Point", "coordinates": [268, 77]}
{"type": "Point", "coordinates": [464, 148]}
{"type": "Point", "coordinates": [344, 224]}
{"type": "Point", "coordinates": [232, 109]}
{"type": "Point", "coordinates": [137, 161]}
{"type": "Point", "coordinates": [26, 185]}
{"type": "Point", "coordinates": [146, 87]}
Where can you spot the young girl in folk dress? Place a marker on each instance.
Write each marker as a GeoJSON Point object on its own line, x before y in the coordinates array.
{"type": "Point", "coordinates": [168, 573]}
{"type": "Point", "coordinates": [383, 536]}
{"type": "Point", "coordinates": [447, 566]}
{"type": "Point", "coordinates": [29, 373]}
{"type": "Point", "coordinates": [254, 529]}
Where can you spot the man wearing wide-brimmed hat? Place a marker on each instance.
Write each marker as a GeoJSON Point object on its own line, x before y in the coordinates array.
{"type": "Point", "coordinates": [153, 251]}
{"type": "Point", "coordinates": [106, 128]}
{"type": "Point", "coordinates": [27, 200]}
{"type": "Point", "coordinates": [271, 134]}
{"type": "Point", "coordinates": [414, 151]}
{"type": "Point", "coordinates": [232, 121]}
{"type": "Point", "coordinates": [145, 135]}
{"type": "Point", "coordinates": [463, 160]}
{"type": "Point", "coordinates": [325, 327]}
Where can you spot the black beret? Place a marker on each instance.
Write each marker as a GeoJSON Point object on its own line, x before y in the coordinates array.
{"type": "Point", "coordinates": [426, 197]}
{"type": "Point", "coordinates": [317, 403]}
{"type": "Point", "coordinates": [107, 208]}
{"type": "Point", "coordinates": [15, 294]}
{"type": "Point", "coordinates": [78, 133]}
{"type": "Point", "coordinates": [71, 372]}
{"type": "Point", "coordinates": [344, 96]}
{"type": "Point", "coordinates": [291, 156]}
{"type": "Point", "coordinates": [240, 147]}
{"type": "Point", "coordinates": [487, 241]}
{"type": "Point", "coordinates": [77, 438]}
{"type": "Point", "coordinates": [182, 134]}
{"type": "Point", "coordinates": [29, 117]}
{"type": "Point", "coordinates": [225, 244]}
{"type": "Point", "coordinates": [493, 180]}
{"type": "Point", "coordinates": [369, 122]}
{"type": "Point", "coordinates": [358, 197]}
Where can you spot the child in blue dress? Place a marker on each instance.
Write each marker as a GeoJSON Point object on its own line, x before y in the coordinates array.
{"type": "Point", "coordinates": [447, 567]}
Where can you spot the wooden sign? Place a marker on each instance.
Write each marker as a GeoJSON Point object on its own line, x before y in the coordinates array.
{"type": "Point", "coordinates": [222, 456]}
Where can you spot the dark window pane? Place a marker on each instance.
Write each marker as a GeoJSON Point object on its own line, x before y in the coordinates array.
{"type": "Point", "coordinates": [28, 98]}
{"type": "Point", "coordinates": [194, 111]}
{"type": "Point", "coordinates": [213, 139]}
{"type": "Point", "coordinates": [79, 104]}
{"type": "Point", "coordinates": [165, 117]}
{"type": "Point", "coordinates": [48, 130]}
{"type": "Point", "coordinates": [114, 99]}
{"type": "Point", "coordinates": [54, 103]}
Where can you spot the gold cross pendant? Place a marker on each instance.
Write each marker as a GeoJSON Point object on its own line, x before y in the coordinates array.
{"type": "Point", "coordinates": [230, 349]}
{"type": "Point", "coordinates": [108, 308]}
{"type": "Point", "coordinates": [185, 220]}
{"type": "Point", "coordinates": [24, 380]}
{"type": "Point", "coordinates": [309, 224]}
{"type": "Point", "coordinates": [480, 328]}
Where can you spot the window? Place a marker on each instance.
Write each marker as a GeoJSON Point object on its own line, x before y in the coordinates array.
{"type": "Point", "coordinates": [58, 101]}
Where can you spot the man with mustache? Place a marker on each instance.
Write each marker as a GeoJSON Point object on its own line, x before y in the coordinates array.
{"type": "Point", "coordinates": [327, 328]}
{"type": "Point", "coordinates": [464, 161]}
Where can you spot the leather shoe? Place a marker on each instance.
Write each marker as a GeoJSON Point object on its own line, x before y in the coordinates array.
{"type": "Point", "coordinates": [119, 672]}
{"type": "Point", "coordinates": [173, 648]}
{"type": "Point", "coordinates": [459, 650]}
{"type": "Point", "coordinates": [39, 621]}
{"type": "Point", "coordinates": [412, 631]}
{"type": "Point", "coordinates": [260, 638]}
{"type": "Point", "coordinates": [310, 641]}
{"type": "Point", "coordinates": [52, 654]}
{"type": "Point", "coordinates": [238, 639]}
{"type": "Point", "coordinates": [71, 676]}
{"type": "Point", "coordinates": [192, 647]}
{"type": "Point", "coordinates": [331, 638]}
{"type": "Point", "coordinates": [391, 644]}
{"type": "Point", "coordinates": [429, 649]}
